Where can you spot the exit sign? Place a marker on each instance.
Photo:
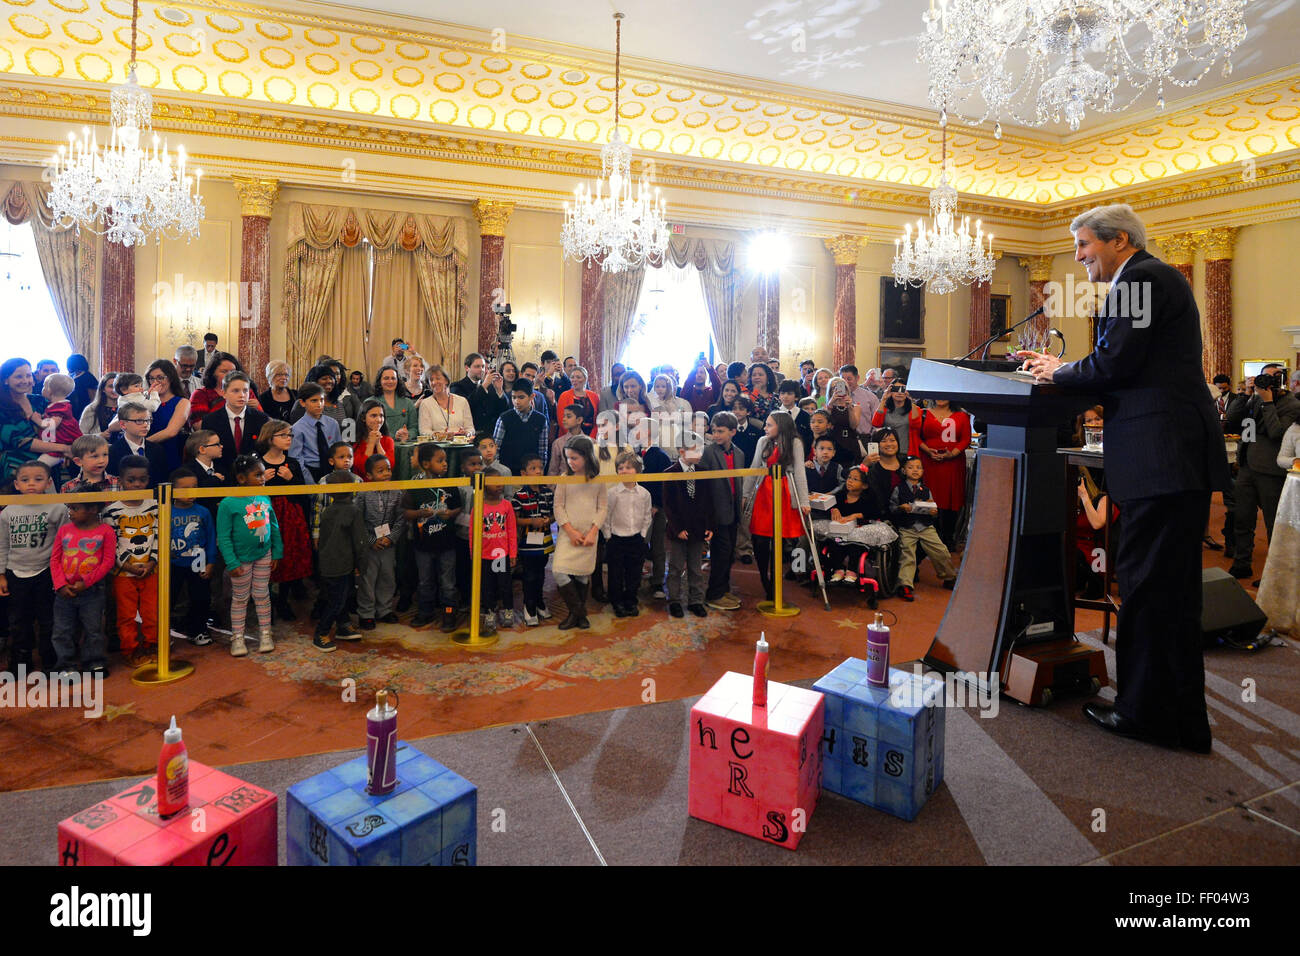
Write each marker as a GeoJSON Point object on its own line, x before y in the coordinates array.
{"type": "Point", "coordinates": [679, 229]}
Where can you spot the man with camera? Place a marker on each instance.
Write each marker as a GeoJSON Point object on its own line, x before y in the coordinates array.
{"type": "Point", "coordinates": [398, 359]}
{"type": "Point", "coordinates": [1261, 418]}
{"type": "Point", "coordinates": [1164, 457]}
{"type": "Point", "coordinates": [482, 387]}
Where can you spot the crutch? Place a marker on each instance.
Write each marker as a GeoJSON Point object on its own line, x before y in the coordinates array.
{"type": "Point", "coordinates": [806, 522]}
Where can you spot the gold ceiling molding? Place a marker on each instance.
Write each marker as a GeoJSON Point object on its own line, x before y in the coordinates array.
{"type": "Point", "coordinates": [492, 216]}
{"type": "Point", "coordinates": [452, 77]}
{"type": "Point", "coordinates": [256, 196]}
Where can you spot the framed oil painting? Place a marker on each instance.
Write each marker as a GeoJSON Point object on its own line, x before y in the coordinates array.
{"type": "Point", "coordinates": [902, 312]}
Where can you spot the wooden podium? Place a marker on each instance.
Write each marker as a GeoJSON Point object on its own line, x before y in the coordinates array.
{"type": "Point", "coordinates": [1011, 611]}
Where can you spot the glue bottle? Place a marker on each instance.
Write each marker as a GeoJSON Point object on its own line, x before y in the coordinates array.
{"type": "Point", "coordinates": [173, 773]}
{"type": "Point", "coordinates": [760, 671]}
{"type": "Point", "coordinates": [878, 652]}
{"type": "Point", "coordinates": [381, 745]}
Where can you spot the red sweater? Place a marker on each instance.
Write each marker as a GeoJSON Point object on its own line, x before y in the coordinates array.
{"type": "Point", "coordinates": [82, 555]}
{"type": "Point", "coordinates": [499, 533]}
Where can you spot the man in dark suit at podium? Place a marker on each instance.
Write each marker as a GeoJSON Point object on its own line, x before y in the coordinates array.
{"type": "Point", "coordinates": [1164, 456]}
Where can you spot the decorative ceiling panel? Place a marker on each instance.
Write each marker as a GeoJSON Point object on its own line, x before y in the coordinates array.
{"type": "Point", "coordinates": [361, 72]}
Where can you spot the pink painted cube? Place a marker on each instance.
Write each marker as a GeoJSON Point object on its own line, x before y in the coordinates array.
{"type": "Point", "coordinates": [756, 769]}
{"type": "Point", "coordinates": [228, 823]}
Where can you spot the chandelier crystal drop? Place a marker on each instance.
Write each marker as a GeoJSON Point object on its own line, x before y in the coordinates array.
{"type": "Point", "coordinates": [1038, 61]}
{"type": "Point", "coordinates": [126, 191]}
{"type": "Point", "coordinates": [622, 223]}
{"type": "Point", "coordinates": [944, 254]}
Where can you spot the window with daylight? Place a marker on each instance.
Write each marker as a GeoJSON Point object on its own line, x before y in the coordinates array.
{"type": "Point", "coordinates": [38, 335]}
{"type": "Point", "coordinates": [672, 322]}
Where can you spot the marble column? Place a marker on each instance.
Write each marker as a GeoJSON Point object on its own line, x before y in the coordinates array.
{"type": "Point", "coordinates": [981, 315]}
{"type": "Point", "coordinates": [1179, 251]}
{"type": "Point", "coordinates": [591, 328]}
{"type": "Point", "coordinates": [844, 338]}
{"type": "Point", "coordinates": [117, 309]}
{"type": "Point", "coordinates": [256, 199]}
{"type": "Point", "coordinates": [1040, 273]}
{"type": "Point", "coordinates": [1218, 246]}
{"type": "Point", "coordinates": [769, 316]}
{"type": "Point", "coordinates": [492, 218]}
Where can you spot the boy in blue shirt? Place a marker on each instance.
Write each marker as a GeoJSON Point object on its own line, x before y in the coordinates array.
{"type": "Point", "coordinates": [194, 556]}
{"type": "Point", "coordinates": [314, 433]}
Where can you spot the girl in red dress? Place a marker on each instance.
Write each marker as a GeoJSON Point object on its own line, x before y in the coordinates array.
{"type": "Point", "coordinates": [944, 438]}
{"type": "Point", "coordinates": [372, 438]}
{"type": "Point", "coordinates": [273, 443]}
{"type": "Point", "coordinates": [780, 445]}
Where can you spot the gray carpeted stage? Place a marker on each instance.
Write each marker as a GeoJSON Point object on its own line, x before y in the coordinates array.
{"type": "Point", "coordinates": [1023, 787]}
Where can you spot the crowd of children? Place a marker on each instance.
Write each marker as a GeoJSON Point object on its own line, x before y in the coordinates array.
{"type": "Point", "coordinates": [81, 577]}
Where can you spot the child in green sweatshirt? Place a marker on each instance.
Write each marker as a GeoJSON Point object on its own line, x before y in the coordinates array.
{"type": "Point", "coordinates": [248, 537]}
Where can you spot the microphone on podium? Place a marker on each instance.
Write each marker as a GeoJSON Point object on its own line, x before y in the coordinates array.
{"type": "Point", "coordinates": [997, 335]}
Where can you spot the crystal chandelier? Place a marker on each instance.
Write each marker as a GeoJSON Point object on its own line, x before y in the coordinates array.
{"type": "Point", "coordinates": [1030, 59]}
{"type": "Point", "coordinates": [612, 225]}
{"type": "Point", "coordinates": [945, 254]}
{"type": "Point", "coordinates": [125, 192]}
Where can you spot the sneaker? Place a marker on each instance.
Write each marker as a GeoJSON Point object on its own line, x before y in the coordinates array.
{"type": "Point", "coordinates": [746, 559]}
{"type": "Point", "coordinates": [488, 627]}
{"type": "Point", "coordinates": [202, 639]}
{"type": "Point", "coordinates": [698, 610]}
{"type": "Point", "coordinates": [322, 642]}
{"type": "Point", "coordinates": [389, 618]}
{"type": "Point", "coordinates": [949, 584]}
{"type": "Point", "coordinates": [507, 618]}
{"type": "Point", "coordinates": [99, 669]}
{"type": "Point", "coordinates": [620, 611]}
{"type": "Point", "coordinates": [345, 632]}
{"type": "Point", "coordinates": [450, 618]}
{"type": "Point", "coordinates": [908, 593]}
{"type": "Point", "coordinates": [850, 577]}
{"type": "Point", "coordinates": [367, 624]}
{"type": "Point", "coordinates": [633, 610]}
{"type": "Point", "coordinates": [530, 618]}
{"type": "Point", "coordinates": [237, 647]}
{"type": "Point", "coordinates": [659, 593]}
{"type": "Point", "coordinates": [543, 612]}
{"type": "Point", "coordinates": [724, 603]}
{"type": "Point", "coordinates": [266, 644]}
{"type": "Point", "coordinates": [837, 577]}
{"type": "Point", "coordinates": [138, 657]}
{"type": "Point", "coordinates": [421, 620]}
{"type": "Point", "coordinates": [675, 610]}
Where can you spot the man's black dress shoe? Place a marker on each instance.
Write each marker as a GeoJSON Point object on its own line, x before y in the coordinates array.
{"type": "Point", "coordinates": [1211, 543]}
{"type": "Point", "coordinates": [1105, 717]}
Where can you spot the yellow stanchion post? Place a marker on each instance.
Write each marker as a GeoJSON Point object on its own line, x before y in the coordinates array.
{"type": "Point", "coordinates": [776, 608]}
{"type": "Point", "coordinates": [166, 670]}
{"type": "Point", "coordinates": [470, 638]}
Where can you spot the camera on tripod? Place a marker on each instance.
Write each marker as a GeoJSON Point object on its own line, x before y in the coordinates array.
{"type": "Point", "coordinates": [505, 328]}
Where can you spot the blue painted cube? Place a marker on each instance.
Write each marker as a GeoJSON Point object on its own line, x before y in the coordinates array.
{"type": "Point", "coordinates": [882, 747]}
{"type": "Point", "coordinates": [429, 819]}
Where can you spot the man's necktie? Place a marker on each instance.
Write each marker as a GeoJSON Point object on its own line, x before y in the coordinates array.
{"type": "Point", "coordinates": [322, 446]}
{"type": "Point", "coordinates": [690, 487]}
{"type": "Point", "coordinates": [239, 433]}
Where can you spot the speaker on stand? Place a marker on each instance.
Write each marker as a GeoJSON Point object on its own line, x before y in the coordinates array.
{"type": "Point", "coordinates": [1228, 614]}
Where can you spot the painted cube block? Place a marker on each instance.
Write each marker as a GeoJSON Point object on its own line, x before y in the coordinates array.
{"type": "Point", "coordinates": [882, 747]}
{"type": "Point", "coordinates": [429, 819]}
{"type": "Point", "coordinates": [752, 769]}
{"type": "Point", "coordinates": [228, 823]}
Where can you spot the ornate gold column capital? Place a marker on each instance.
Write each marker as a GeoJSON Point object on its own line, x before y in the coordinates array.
{"type": "Point", "coordinates": [1218, 242]}
{"type": "Point", "coordinates": [492, 216]}
{"type": "Point", "coordinates": [844, 248]}
{"type": "Point", "coordinates": [1179, 249]}
{"type": "Point", "coordinates": [256, 196]}
{"type": "Point", "coordinates": [1040, 267]}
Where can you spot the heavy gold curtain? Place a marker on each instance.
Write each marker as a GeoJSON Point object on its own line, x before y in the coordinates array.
{"type": "Point", "coordinates": [420, 273]}
{"type": "Point", "coordinates": [67, 260]}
